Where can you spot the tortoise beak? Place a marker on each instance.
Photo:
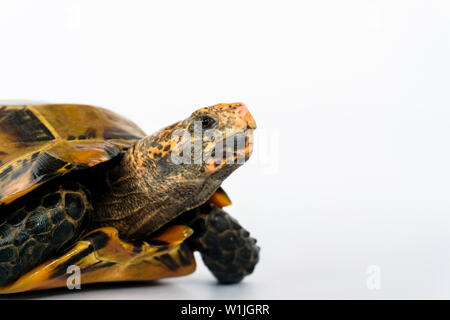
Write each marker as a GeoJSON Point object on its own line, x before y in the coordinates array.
{"type": "Point", "coordinates": [245, 115]}
{"type": "Point", "coordinates": [251, 123]}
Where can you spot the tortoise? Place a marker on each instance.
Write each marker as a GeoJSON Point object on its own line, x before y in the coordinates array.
{"type": "Point", "coordinates": [83, 187]}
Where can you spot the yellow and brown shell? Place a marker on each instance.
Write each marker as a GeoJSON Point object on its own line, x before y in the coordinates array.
{"type": "Point", "coordinates": [41, 142]}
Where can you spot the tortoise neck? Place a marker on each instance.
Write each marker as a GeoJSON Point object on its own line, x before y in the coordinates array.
{"type": "Point", "coordinates": [137, 200]}
{"type": "Point", "coordinates": [146, 190]}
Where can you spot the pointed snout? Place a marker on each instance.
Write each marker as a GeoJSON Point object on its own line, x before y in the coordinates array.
{"type": "Point", "coordinates": [244, 114]}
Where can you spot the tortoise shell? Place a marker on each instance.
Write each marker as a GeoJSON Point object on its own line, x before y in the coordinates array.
{"type": "Point", "coordinates": [41, 142]}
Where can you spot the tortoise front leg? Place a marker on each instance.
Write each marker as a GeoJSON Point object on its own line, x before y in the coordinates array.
{"type": "Point", "coordinates": [226, 247]}
{"type": "Point", "coordinates": [38, 226]}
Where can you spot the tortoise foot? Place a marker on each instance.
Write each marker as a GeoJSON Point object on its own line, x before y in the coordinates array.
{"type": "Point", "coordinates": [226, 247]}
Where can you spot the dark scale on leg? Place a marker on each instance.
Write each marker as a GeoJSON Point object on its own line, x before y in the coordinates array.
{"type": "Point", "coordinates": [226, 248]}
{"type": "Point", "coordinates": [39, 226]}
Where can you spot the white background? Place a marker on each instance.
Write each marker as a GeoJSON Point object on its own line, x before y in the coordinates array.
{"type": "Point", "coordinates": [352, 162]}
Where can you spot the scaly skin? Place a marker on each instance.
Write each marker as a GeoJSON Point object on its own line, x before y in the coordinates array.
{"type": "Point", "coordinates": [37, 228]}
{"type": "Point", "coordinates": [147, 189]}
{"type": "Point", "coordinates": [226, 247]}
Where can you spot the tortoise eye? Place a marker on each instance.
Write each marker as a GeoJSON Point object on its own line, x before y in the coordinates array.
{"type": "Point", "coordinates": [207, 122]}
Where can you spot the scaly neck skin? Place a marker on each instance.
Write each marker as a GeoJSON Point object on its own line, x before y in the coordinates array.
{"type": "Point", "coordinates": [145, 192]}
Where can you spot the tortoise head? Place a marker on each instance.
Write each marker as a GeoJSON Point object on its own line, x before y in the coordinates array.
{"type": "Point", "coordinates": [217, 139]}
{"type": "Point", "coordinates": [195, 155]}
